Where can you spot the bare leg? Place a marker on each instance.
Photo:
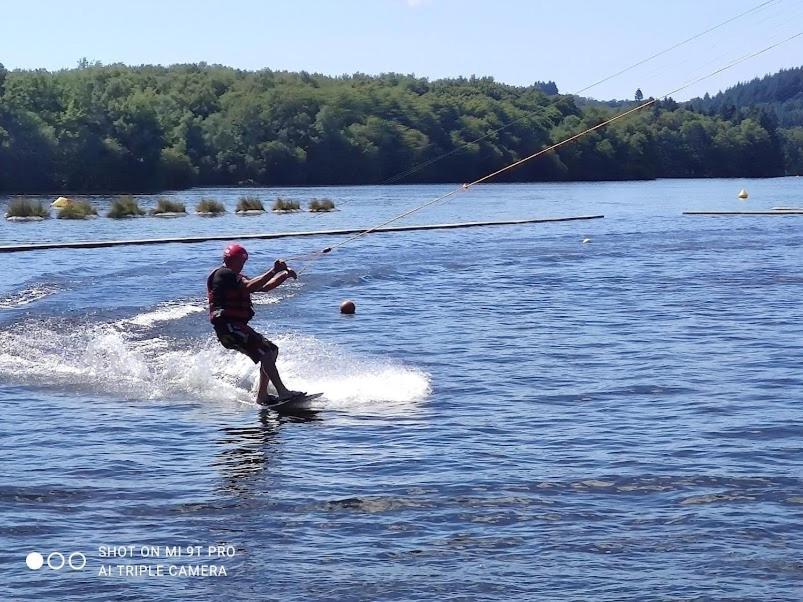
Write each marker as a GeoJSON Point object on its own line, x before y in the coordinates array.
{"type": "Point", "coordinates": [269, 373]}
{"type": "Point", "coordinates": [262, 391]}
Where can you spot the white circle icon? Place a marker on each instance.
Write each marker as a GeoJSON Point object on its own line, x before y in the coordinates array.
{"type": "Point", "coordinates": [34, 560]}
{"type": "Point", "coordinates": [74, 565]}
{"type": "Point", "coordinates": [52, 564]}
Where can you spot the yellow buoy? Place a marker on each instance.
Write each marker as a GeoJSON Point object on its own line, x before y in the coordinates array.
{"type": "Point", "coordinates": [742, 194]}
{"type": "Point", "coordinates": [60, 202]}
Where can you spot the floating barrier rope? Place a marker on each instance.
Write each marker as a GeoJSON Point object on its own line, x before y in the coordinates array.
{"type": "Point", "coordinates": [227, 237]}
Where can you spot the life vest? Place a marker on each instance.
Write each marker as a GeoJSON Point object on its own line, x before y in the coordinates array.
{"type": "Point", "coordinates": [232, 304]}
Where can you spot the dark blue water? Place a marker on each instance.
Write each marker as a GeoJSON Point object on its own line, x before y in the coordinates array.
{"type": "Point", "coordinates": [512, 414]}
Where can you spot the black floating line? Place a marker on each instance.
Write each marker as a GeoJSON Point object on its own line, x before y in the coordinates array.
{"type": "Point", "coordinates": [194, 239]}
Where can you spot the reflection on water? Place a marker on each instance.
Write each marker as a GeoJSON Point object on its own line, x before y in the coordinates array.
{"type": "Point", "coordinates": [247, 451]}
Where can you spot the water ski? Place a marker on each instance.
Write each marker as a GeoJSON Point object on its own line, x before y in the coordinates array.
{"type": "Point", "coordinates": [300, 402]}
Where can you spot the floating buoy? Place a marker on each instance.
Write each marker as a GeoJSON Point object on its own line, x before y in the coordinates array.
{"type": "Point", "coordinates": [347, 307]}
{"type": "Point", "coordinates": [61, 202]}
{"type": "Point", "coordinates": [742, 194]}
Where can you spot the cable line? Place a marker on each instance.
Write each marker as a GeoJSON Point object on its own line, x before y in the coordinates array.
{"type": "Point", "coordinates": [421, 166]}
{"type": "Point", "coordinates": [491, 175]}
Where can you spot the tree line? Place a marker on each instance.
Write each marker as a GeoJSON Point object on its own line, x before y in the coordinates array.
{"type": "Point", "coordinates": [780, 94]}
{"type": "Point", "coordinates": [121, 128]}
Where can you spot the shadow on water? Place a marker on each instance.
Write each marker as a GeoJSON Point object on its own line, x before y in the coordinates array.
{"type": "Point", "coordinates": [247, 450]}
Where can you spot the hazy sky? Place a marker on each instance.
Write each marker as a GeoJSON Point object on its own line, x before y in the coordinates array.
{"type": "Point", "coordinates": [572, 43]}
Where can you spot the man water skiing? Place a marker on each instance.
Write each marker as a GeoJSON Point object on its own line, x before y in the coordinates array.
{"type": "Point", "coordinates": [230, 309]}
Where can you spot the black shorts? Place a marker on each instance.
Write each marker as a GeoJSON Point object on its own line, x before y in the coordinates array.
{"type": "Point", "coordinates": [241, 337]}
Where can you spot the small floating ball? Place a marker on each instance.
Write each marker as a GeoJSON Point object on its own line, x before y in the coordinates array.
{"type": "Point", "coordinates": [347, 307]}
{"type": "Point", "coordinates": [61, 202]}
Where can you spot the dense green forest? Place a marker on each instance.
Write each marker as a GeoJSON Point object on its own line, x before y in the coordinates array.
{"type": "Point", "coordinates": [119, 128]}
{"type": "Point", "coordinates": [780, 94]}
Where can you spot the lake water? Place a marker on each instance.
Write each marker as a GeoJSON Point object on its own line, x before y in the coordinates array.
{"type": "Point", "coordinates": [511, 414]}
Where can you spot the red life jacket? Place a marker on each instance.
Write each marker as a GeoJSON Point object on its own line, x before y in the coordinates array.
{"type": "Point", "coordinates": [229, 303]}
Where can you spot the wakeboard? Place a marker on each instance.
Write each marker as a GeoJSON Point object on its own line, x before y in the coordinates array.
{"type": "Point", "coordinates": [300, 402]}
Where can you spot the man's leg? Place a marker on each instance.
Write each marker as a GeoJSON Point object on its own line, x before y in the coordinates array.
{"type": "Point", "coordinates": [262, 391]}
{"type": "Point", "coordinates": [269, 372]}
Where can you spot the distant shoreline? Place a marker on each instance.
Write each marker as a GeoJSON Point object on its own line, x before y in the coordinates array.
{"type": "Point", "coordinates": [151, 129]}
{"type": "Point", "coordinates": [148, 192]}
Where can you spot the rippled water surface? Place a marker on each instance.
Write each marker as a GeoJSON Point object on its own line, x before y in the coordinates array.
{"type": "Point", "coordinates": [512, 413]}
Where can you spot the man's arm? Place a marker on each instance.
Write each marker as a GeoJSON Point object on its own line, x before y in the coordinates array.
{"type": "Point", "coordinates": [270, 279]}
{"type": "Point", "coordinates": [278, 279]}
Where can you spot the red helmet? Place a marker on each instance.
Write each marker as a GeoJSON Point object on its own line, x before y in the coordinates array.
{"type": "Point", "coordinates": [234, 250]}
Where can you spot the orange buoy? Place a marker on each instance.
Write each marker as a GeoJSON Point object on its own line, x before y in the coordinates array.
{"type": "Point", "coordinates": [347, 307]}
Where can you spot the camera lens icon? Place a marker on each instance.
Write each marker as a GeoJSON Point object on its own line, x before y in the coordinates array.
{"type": "Point", "coordinates": [56, 561]}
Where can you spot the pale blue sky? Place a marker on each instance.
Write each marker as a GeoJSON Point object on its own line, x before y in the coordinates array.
{"type": "Point", "coordinates": [515, 41]}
